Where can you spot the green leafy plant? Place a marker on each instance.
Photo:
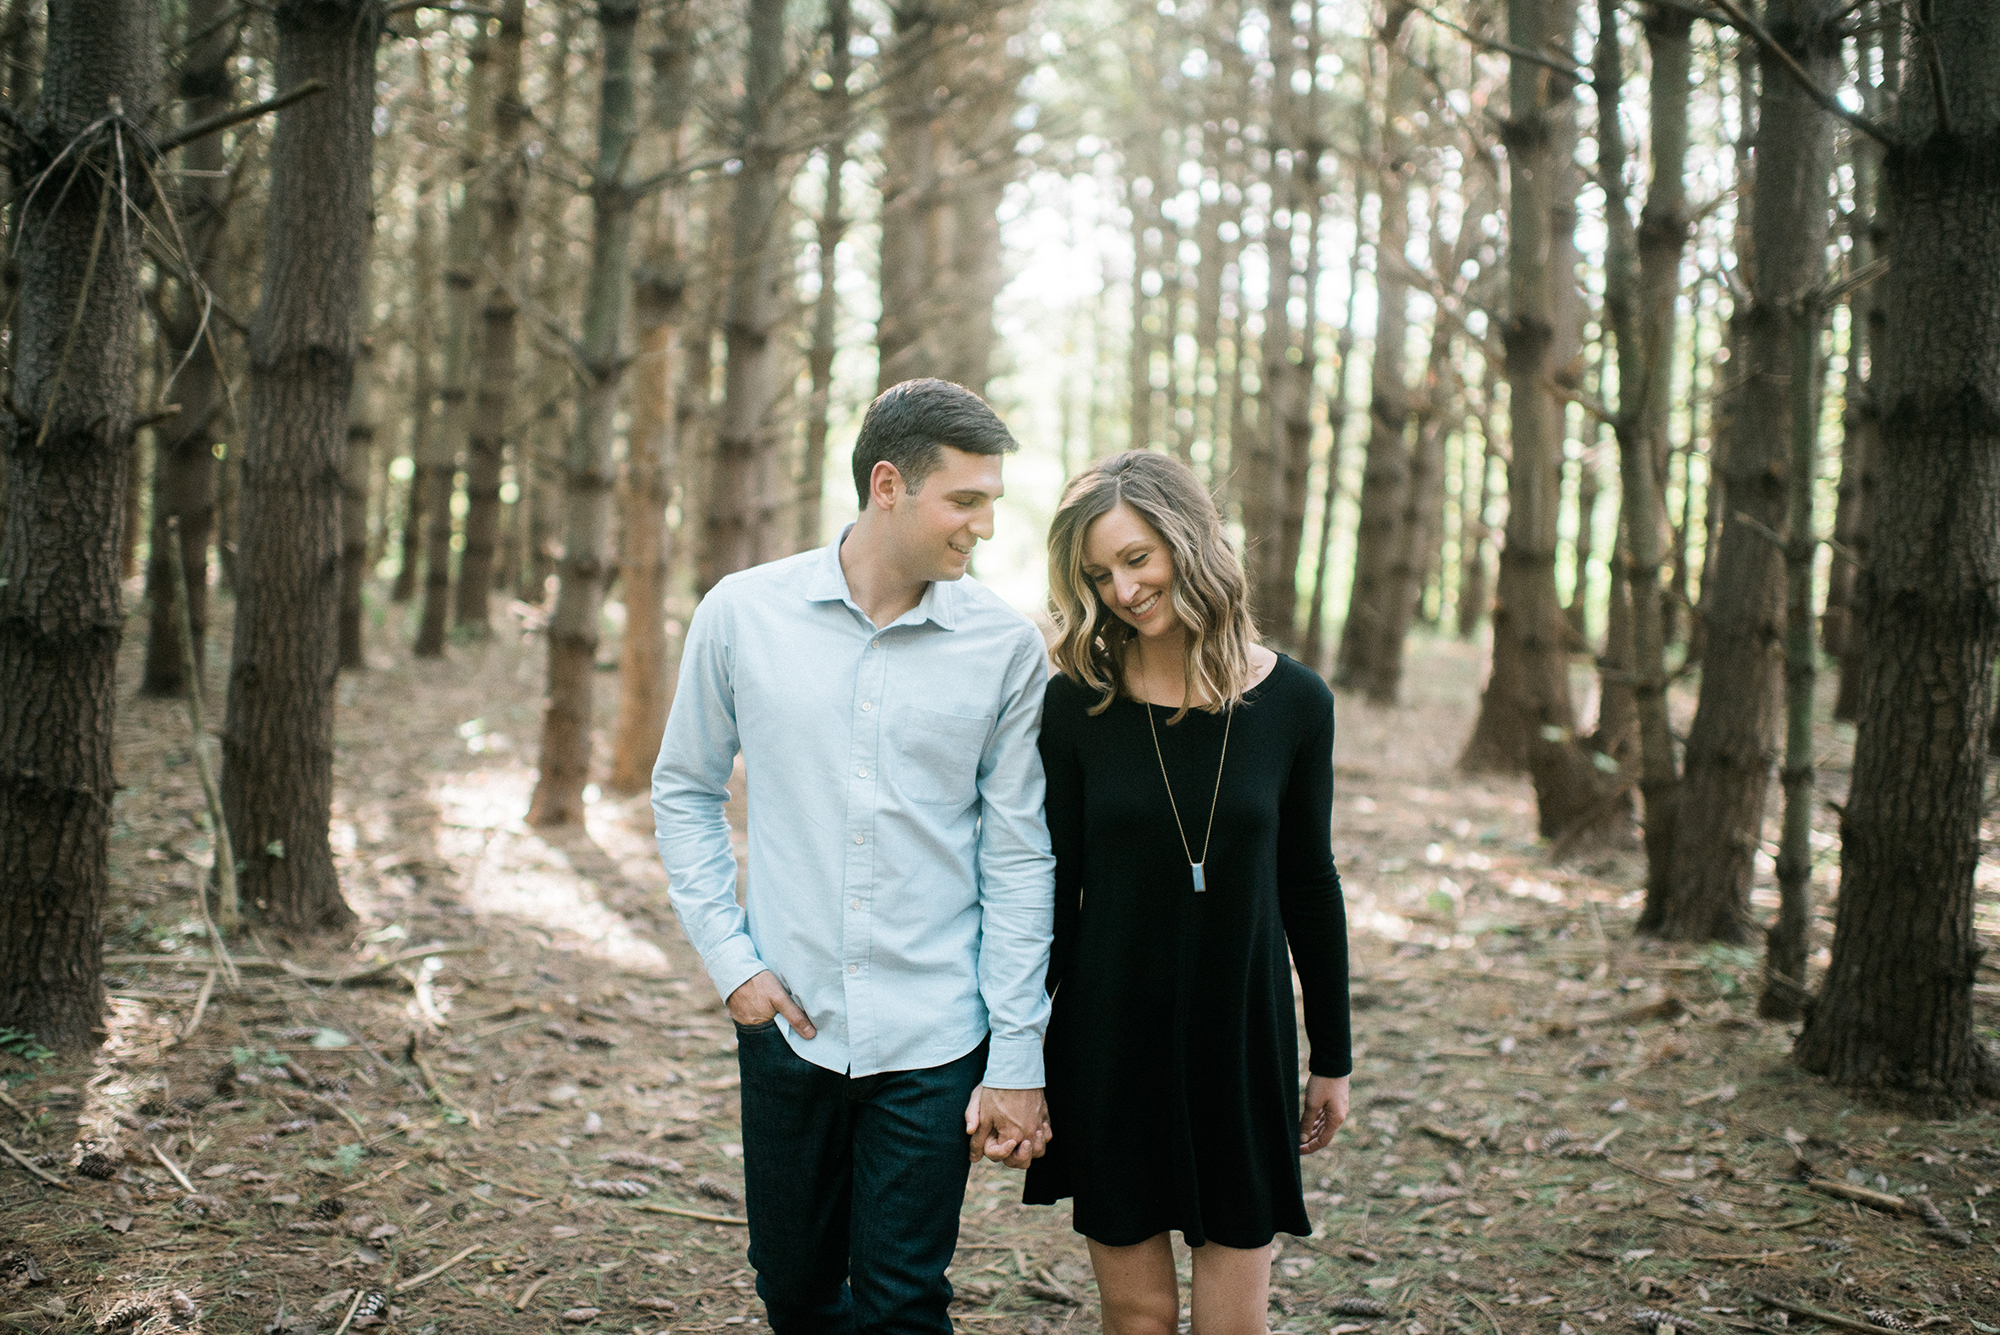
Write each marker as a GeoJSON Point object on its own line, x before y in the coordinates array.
{"type": "Point", "coordinates": [343, 1161]}
{"type": "Point", "coordinates": [1726, 966]}
{"type": "Point", "coordinates": [24, 1046]}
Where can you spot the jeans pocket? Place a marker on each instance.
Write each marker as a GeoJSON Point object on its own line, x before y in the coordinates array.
{"type": "Point", "coordinates": [745, 1030]}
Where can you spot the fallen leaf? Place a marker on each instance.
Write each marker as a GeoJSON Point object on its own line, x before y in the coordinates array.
{"type": "Point", "coordinates": [577, 1316]}
{"type": "Point", "coordinates": [122, 1224]}
{"type": "Point", "coordinates": [564, 1231]}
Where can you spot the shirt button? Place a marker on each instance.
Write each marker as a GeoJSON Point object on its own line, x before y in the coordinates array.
{"type": "Point", "coordinates": [855, 905]}
{"type": "Point", "coordinates": [858, 839]}
{"type": "Point", "coordinates": [863, 771]}
{"type": "Point", "coordinates": [865, 706]}
{"type": "Point", "coordinates": [854, 968]}
{"type": "Point", "coordinates": [874, 644]}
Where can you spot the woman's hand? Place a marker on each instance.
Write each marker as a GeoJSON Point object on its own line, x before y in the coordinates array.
{"type": "Point", "coordinates": [1325, 1110]}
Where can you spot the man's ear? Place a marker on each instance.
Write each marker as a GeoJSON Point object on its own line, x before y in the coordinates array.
{"type": "Point", "coordinates": [885, 485]}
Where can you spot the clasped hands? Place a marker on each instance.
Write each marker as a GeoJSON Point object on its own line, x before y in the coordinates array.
{"type": "Point", "coordinates": [1008, 1126]}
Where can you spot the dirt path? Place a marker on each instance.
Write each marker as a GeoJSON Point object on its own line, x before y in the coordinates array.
{"type": "Point", "coordinates": [1553, 1124]}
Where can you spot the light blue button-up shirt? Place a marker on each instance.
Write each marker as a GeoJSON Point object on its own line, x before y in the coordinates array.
{"type": "Point", "coordinates": [900, 884]}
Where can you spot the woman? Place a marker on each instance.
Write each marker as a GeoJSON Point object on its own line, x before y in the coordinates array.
{"type": "Point", "coordinates": [1190, 790]}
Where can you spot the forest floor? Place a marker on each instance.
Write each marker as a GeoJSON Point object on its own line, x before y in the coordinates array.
{"type": "Point", "coordinates": [1554, 1124]}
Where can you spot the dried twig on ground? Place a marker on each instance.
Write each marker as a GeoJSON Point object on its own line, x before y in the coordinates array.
{"type": "Point", "coordinates": [23, 1160]}
{"type": "Point", "coordinates": [1830, 1318]}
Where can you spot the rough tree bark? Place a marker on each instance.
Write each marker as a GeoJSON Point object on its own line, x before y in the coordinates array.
{"type": "Point", "coordinates": [277, 740]}
{"type": "Point", "coordinates": [565, 751]}
{"type": "Point", "coordinates": [1730, 748]}
{"type": "Point", "coordinates": [1895, 1012]}
{"type": "Point", "coordinates": [1642, 280]}
{"type": "Point", "coordinates": [493, 399]}
{"type": "Point", "coordinates": [1526, 716]}
{"type": "Point", "coordinates": [184, 445]}
{"type": "Point", "coordinates": [653, 445]}
{"type": "Point", "coordinates": [356, 465]}
{"type": "Point", "coordinates": [68, 447]}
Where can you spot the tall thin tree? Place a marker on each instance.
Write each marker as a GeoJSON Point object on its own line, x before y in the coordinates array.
{"type": "Point", "coordinates": [277, 740]}
{"type": "Point", "coordinates": [587, 477]}
{"type": "Point", "coordinates": [68, 445]}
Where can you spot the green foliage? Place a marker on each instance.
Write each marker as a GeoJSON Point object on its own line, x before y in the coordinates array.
{"type": "Point", "coordinates": [24, 1046]}
{"type": "Point", "coordinates": [1726, 966]}
{"type": "Point", "coordinates": [343, 1162]}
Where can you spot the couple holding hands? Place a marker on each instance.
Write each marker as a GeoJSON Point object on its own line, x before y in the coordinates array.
{"type": "Point", "coordinates": [1043, 914]}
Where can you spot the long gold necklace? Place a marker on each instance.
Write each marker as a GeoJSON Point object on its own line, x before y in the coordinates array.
{"type": "Point", "coordinates": [1198, 866]}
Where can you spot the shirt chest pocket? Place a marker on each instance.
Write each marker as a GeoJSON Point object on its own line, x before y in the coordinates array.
{"type": "Point", "coordinates": [937, 756]}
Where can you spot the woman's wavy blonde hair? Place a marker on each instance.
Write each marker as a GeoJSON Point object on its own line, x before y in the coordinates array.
{"type": "Point", "coordinates": [1209, 591]}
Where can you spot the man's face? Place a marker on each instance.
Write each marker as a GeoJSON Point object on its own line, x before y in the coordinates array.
{"type": "Point", "coordinates": [936, 526]}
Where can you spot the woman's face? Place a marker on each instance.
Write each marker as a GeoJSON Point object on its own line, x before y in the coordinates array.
{"type": "Point", "coordinates": [1128, 564]}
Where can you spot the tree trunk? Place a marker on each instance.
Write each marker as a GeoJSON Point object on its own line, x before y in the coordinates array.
{"type": "Point", "coordinates": [836, 110]}
{"type": "Point", "coordinates": [437, 474]}
{"type": "Point", "coordinates": [423, 388]}
{"type": "Point", "coordinates": [1422, 516]}
{"type": "Point", "coordinates": [277, 742]}
{"type": "Point", "coordinates": [356, 465]}
{"type": "Point", "coordinates": [652, 446]}
{"type": "Point", "coordinates": [1727, 770]}
{"type": "Point", "coordinates": [184, 463]}
{"type": "Point", "coordinates": [486, 441]}
{"type": "Point", "coordinates": [1861, 452]}
{"type": "Point", "coordinates": [1788, 940]}
{"type": "Point", "coordinates": [1895, 1013]}
{"type": "Point", "coordinates": [67, 458]}
{"type": "Point", "coordinates": [1385, 475]}
{"type": "Point", "coordinates": [743, 488]}
{"type": "Point", "coordinates": [565, 753]}
{"type": "Point", "coordinates": [1526, 718]}
{"type": "Point", "coordinates": [910, 204]}
{"type": "Point", "coordinates": [1312, 652]}
{"type": "Point", "coordinates": [1473, 528]}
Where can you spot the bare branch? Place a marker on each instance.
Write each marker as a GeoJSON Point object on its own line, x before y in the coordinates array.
{"type": "Point", "coordinates": [209, 125]}
{"type": "Point", "coordinates": [1560, 66]}
{"type": "Point", "coordinates": [1750, 28]}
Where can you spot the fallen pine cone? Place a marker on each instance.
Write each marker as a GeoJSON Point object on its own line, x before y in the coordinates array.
{"type": "Point", "coordinates": [100, 1166]}
{"type": "Point", "coordinates": [577, 1316]}
{"type": "Point", "coordinates": [657, 1304]}
{"type": "Point", "coordinates": [1939, 1226]}
{"type": "Point", "coordinates": [1882, 1316]}
{"type": "Point", "coordinates": [1360, 1307]}
{"type": "Point", "coordinates": [1049, 1293]}
{"type": "Point", "coordinates": [634, 1159]}
{"type": "Point", "coordinates": [623, 1188]}
{"type": "Point", "coordinates": [373, 1306]}
{"type": "Point", "coordinates": [129, 1312]}
{"type": "Point", "coordinates": [293, 1128]}
{"type": "Point", "coordinates": [1652, 1318]}
{"type": "Point", "coordinates": [717, 1191]}
{"type": "Point", "coordinates": [182, 1307]}
{"type": "Point", "coordinates": [159, 1124]}
{"type": "Point", "coordinates": [595, 1041]}
{"type": "Point", "coordinates": [332, 1207]}
{"type": "Point", "coordinates": [1827, 1244]}
{"type": "Point", "coordinates": [303, 1033]}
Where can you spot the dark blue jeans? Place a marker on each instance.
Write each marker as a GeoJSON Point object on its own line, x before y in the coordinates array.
{"type": "Point", "coordinates": [854, 1189]}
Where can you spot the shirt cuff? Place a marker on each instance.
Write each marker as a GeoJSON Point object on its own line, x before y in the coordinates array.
{"type": "Point", "coordinates": [1014, 1063]}
{"type": "Point", "coordinates": [733, 964]}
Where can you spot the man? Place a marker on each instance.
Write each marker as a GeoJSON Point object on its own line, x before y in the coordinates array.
{"type": "Point", "coordinates": [886, 979]}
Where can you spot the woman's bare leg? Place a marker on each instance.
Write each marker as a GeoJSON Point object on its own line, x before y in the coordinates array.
{"type": "Point", "coordinates": [1232, 1290]}
{"type": "Point", "coordinates": [1136, 1287]}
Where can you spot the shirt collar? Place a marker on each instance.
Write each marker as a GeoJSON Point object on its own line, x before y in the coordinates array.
{"type": "Point", "coordinates": [828, 583]}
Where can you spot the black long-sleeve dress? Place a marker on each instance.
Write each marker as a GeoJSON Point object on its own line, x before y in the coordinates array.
{"type": "Point", "coordinates": [1172, 1051]}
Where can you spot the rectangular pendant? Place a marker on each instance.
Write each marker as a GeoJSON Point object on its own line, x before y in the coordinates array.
{"type": "Point", "coordinates": [1200, 878]}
